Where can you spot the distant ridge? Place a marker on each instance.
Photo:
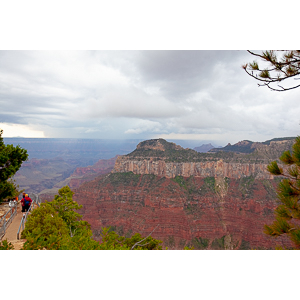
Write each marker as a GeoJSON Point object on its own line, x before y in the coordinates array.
{"type": "Point", "coordinates": [89, 151]}
{"type": "Point", "coordinates": [204, 148]}
{"type": "Point", "coordinates": [247, 146]}
{"type": "Point", "coordinates": [160, 149]}
{"type": "Point", "coordinates": [278, 139]}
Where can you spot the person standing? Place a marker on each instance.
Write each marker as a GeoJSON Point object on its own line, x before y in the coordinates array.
{"type": "Point", "coordinates": [26, 202]}
{"type": "Point", "coordinates": [23, 203]}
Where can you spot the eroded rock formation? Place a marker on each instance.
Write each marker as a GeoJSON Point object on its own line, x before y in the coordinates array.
{"type": "Point", "coordinates": [207, 200]}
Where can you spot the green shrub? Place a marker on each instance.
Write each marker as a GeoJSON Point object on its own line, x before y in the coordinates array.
{"type": "Point", "coordinates": [5, 245]}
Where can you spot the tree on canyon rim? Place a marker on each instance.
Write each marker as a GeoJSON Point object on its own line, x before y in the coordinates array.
{"type": "Point", "coordinates": [282, 67]}
{"type": "Point", "coordinates": [55, 225]}
{"type": "Point", "coordinates": [11, 159]}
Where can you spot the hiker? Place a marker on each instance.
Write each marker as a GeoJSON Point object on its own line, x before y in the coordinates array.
{"type": "Point", "coordinates": [26, 202]}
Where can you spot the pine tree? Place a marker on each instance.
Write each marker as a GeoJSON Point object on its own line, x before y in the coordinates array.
{"type": "Point", "coordinates": [282, 66]}
{"type": "Point", "coordinates": [287, 214]}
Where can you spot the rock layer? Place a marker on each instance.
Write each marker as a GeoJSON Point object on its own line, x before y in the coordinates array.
{"type": "Point", "coordinates": [207, 213]}
{"type": "Point", "coordinates": [187, 169]}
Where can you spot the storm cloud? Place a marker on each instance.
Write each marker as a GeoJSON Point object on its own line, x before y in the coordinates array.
{"type": "Point", "coordinates": [203, 95]}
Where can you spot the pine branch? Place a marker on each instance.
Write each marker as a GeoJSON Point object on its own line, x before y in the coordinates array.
{"type": "Point", "coordinates": [288, 67]}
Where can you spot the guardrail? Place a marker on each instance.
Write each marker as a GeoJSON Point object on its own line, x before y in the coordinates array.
{"type": "Point", "coordinates": [7, 219]}
{"type": "Point", "coordinates": [35, 201]}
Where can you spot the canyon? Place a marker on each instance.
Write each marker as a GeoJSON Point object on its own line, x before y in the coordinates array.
{"type": "Point", "coordinates": [53, 163]}
{"type": "Point", "coordinates": [216, 200]}
{"type": "Point", "coordinates": [79, 176]}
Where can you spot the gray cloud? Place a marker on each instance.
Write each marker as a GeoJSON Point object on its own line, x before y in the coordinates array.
{"type": "Point", "coordinates": [142, 94]}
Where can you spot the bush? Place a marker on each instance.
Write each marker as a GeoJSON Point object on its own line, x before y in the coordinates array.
{"type": "Point", "coordinates": [5, 245]}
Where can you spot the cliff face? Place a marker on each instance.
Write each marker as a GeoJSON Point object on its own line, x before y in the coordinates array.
{"type": "Point", "coordinates": [187, 169]}
{"type": "Point", "coordinates": [207, 213]}
{"type": "Point", "coordinates": [161, 158]}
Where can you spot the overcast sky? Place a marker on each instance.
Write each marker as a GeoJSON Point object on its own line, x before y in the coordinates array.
{"type": "Point", "coordinates": [202, 95]}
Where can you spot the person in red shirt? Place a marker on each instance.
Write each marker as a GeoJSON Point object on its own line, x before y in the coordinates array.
{"type": "Point", "coordinates": [26, 202]}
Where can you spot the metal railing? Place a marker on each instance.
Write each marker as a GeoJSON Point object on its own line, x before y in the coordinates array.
{"type": "Point", "coordinates": [35, 201]}
{"type": "Point", "coordinates": [7, 219]}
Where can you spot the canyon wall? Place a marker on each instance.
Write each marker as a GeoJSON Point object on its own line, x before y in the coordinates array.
{"type": "Point", "coordinates": [186, 169]}
{"type": "Point", "coordinates": [207, 213]}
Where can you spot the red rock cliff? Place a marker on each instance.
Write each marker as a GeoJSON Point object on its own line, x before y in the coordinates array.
{"type": "Point", "coordinates": [207, 213]}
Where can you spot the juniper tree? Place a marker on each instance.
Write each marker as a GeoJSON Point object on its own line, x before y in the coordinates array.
{"type": "Point", "coordinates": [278, 69]}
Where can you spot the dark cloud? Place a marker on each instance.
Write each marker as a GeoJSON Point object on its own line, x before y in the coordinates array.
{"type": "Point", "coordinates": [181, 73]}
